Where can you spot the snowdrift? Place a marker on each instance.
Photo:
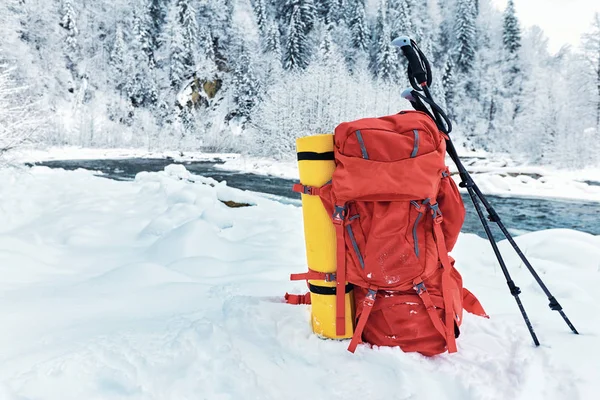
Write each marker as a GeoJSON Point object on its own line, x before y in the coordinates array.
{"type": "Point", "coordinates": [155, 289]}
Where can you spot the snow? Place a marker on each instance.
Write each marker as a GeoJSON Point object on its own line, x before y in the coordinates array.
{"type": "Point", "coordinates": [154, 289]}
{"type": "Point", "coordinates": [494, 174]}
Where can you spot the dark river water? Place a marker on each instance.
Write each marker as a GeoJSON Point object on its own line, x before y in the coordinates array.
{"type": "Point", "coordinates": [519, 214]}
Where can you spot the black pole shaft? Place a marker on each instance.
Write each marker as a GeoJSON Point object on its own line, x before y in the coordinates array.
{"type": "Point", "coordinates": [468, 183]}
{"type": "Point", "coordinates": [494, 217]}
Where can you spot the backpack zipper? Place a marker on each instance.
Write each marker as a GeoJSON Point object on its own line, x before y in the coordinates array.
{"type": "Point", "coordinates": [363, 148]}
{"type": "Point", "coordinates": [355, 246]}
{"type": "Point", "coordinates": [415, 226]}
{"type": "Point", "coordinates": [361, 143]}
{"type": "Point", "coordinates": [416, 147]}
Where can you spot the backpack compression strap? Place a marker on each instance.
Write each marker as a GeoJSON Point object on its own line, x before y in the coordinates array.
{"type": "Point", "coordinates": [446, 278]}
{"type": "Point", "coordinates": [297, 299]}
{"type": "Point", "coordinates": [339, 217]}
{"type": "Point", "coordinates": [368, 304]}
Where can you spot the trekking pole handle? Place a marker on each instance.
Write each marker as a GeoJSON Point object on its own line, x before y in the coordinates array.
{"type": "Point", "coordinates": [406, 45]}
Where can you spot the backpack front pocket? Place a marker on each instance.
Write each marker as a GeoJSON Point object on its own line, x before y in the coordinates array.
{"type": "Point", "coordinates": [392, 257]}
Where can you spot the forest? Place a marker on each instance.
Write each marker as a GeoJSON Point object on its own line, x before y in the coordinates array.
{"type": "Point", "coordinates": [251, 76]}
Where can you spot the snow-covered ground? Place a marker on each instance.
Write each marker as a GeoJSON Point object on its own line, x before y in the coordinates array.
{"type": "Point", "coordinates": [154, 289]}
{"type": "Point", "coordinates": [494, 175]}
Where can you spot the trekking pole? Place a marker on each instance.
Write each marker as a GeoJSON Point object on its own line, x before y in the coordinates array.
{"type": "Point", "coordinates": [495, 217]}
{"type": "Point", "coordinates": [419, 72]}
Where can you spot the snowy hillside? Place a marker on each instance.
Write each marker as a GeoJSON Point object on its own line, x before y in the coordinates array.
{"type": "Point", "coordinates": [252, 75]}
{"type": "Point", "coordinates": [156, 290]}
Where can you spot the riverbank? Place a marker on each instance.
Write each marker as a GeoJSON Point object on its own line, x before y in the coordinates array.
{"type": "Point", "coordinates": [495, 174]}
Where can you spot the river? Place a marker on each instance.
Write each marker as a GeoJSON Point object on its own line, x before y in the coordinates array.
{"type": "Point", "coordinates": [519, 214]}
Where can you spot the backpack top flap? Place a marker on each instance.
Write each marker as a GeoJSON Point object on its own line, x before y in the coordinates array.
{"type": "Point", "coordinates": [394, 158]}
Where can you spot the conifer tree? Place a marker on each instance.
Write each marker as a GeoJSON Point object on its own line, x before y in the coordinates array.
{"type": "Point", "coordinates": [245, 86]}
{"type": "Point", "coordinates": [465, 35]}
{"type": "Point", "coordinates": [591, 47]}
{"type": "Point", "coordinates": [335, 13]}
{"type": "Point", "coordinates": [386, 56]}
{"type": "Point", "coordinates": [399, 16]}
{"type": "Point", "coordinates": [307, 13]}
{"type": "Point", "coordinates": [326, 46]}
{"type": "Point", "coordinates": [184, 34]}
{"type": "Point", "coordinates": [141, 84]}
{"type": "Point", "coordinates": [71, 45]}
{"type": "Point", "coordinates": [142, 34]}
{"type": "Point", "coordinates": [511, 34]}
{"type": "Point", "coordinates": [260, 12]}
{"type": "Point", "coordinates": [449, 85]}
{"type": "Point", "coordinates": [296, 49]}
{"type": "Point", "coordinates": [511, 38]}
{"type": "Point", "coordinates": [272, 42]}
{"type": "Point", "coordinates": [376, 34]}
{"type": "Point", "coordinates": [117, 58]}
{"type": "Point", "coordinates": [157, 17]}
{"type": "Point", "coordinates": [358, 27]}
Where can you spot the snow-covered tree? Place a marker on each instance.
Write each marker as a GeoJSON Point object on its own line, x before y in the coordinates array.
{"type": "Point", "coordinates": [260, 12]}
{"type": "Point", "coordinates": [296, 47]}
{"type": "Point", "coordinates": [71, 43]}
{"type": "Point", "coordinates": [511, 33]}
{"type": "Point", "coordinates": [246, 89]}
{"type": "Point", "coordinates": [465, 31]}
{"type": "Point", "coordinates": [591, 46]}
{"type": "Point", "coordinates": [511, 37]}
{"type": "Point", "coordinates": [399, 16]}
{"type": "Point", "coordinates": [358, 25]}
{"type": "Point", "coordinates": [272, 44]}
{"type": "Point", "coordinates": [207, 50]}
{"type": "Point", "coordinates": [19, 121]}
{"type": "Point", "coordinates": [141, 83]}
{"type": "Point", "coordinates": [335, 12]}
{"type": "Point", "coordinates": [183, 41]}
{"type": "Point", "coordinates": [385, 61]}
{"type": "Point", "coordinates": [157, 16]}
{"type": "Point", "coordinates": [449, 84]}
{"type": "Point", "coordinates": [142, 33]}
{"type": "Point", "coordinates": [117, 58]}
{"type": "Point", "coordinates": [305, 10]}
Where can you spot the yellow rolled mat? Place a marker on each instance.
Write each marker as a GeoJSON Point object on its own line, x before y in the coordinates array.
{"type": "Point", "coordinates": [319, 235]}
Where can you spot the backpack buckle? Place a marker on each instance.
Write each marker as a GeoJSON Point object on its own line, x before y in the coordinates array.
{"type": "Point", "coordinates": [438, 218]}
{"type": "Point", "coordinates": [420, 288]}
{"type": "Point", "coordinates": [339, 214]}
{"type": "Point", "coordinates": [330, 277]}
{"type": "Point", "coordinates": [370, 298]}
{"type": "Point", "coordinates": [309, 190]}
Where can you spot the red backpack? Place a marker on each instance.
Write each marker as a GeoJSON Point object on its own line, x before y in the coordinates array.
{"type": "Point", "coordinates": [397, 213]}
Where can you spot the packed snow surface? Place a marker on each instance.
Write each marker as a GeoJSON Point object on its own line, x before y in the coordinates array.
{"type": "Point", "coordinates": [155, 289]}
